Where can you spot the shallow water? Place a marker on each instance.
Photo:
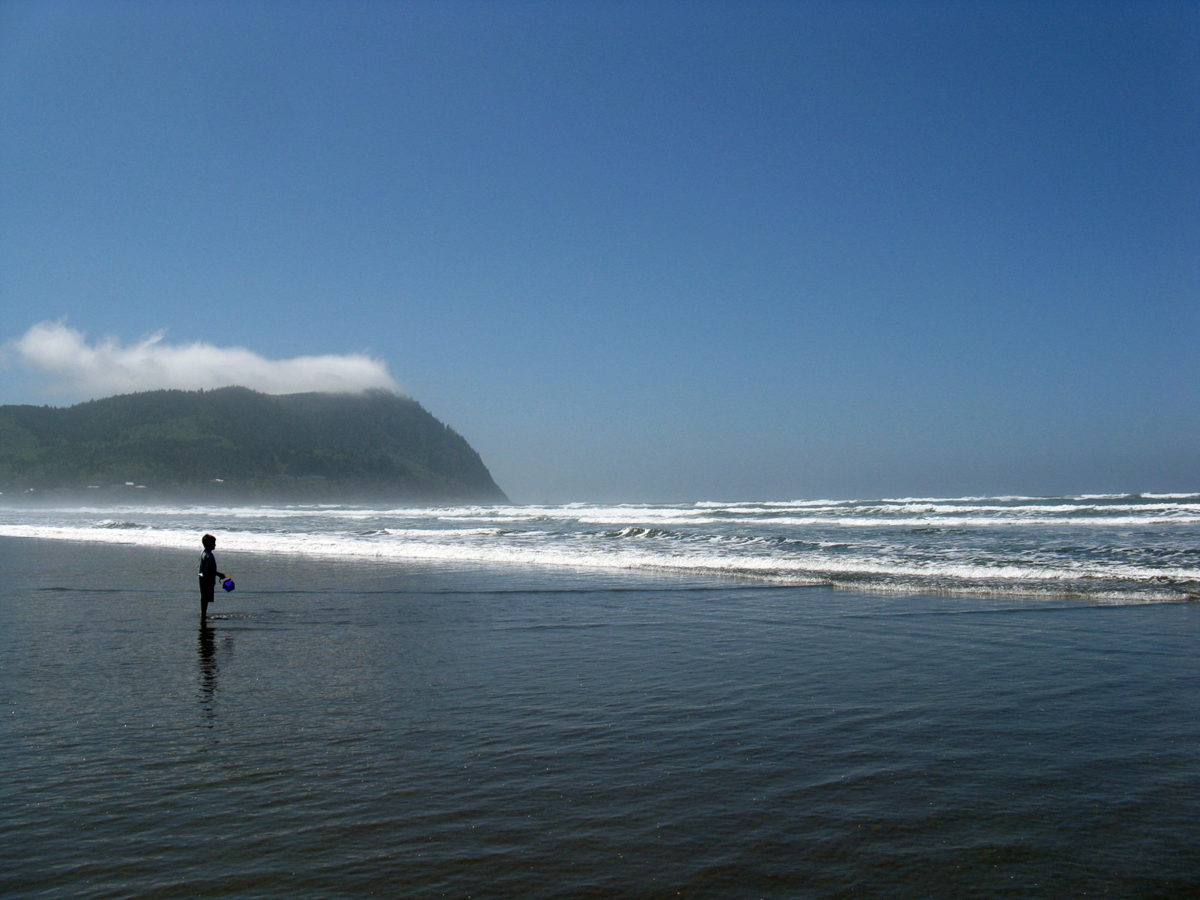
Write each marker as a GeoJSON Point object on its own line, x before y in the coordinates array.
{"type": "Point", "coordinates": [359, 728]}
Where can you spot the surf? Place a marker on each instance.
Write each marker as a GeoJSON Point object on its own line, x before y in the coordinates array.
{"type": "Point", "coordinates": [1086, 545]}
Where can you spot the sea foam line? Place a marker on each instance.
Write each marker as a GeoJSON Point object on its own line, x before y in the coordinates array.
{"type": "Point", "coordinates": [815, 568]}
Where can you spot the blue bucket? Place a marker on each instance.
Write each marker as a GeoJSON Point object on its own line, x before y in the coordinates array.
{"type": "Point", "coordinates": [227, 584]}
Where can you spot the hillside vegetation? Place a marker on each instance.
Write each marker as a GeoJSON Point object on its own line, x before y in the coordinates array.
{"type": "Point", "coordinates": [235, 443]}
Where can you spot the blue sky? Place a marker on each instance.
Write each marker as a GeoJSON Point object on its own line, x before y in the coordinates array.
{"type": "Point", "coordinates": [635, 251]}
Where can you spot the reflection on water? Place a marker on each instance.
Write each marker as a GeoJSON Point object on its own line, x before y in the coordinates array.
{"type": "Point", "coordinates": [207, 648]}
{"type": "Point", "coordinates": [206, 652]}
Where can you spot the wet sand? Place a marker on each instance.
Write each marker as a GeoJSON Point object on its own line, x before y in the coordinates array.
{"type": "Point", "coordinates": [346, 729]}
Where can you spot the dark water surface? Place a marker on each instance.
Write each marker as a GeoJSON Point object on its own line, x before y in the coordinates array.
{"type": "Point", "coordinates": [367, 729]}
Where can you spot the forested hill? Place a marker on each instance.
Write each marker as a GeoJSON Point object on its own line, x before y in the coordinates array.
{"type": "Point", "coordinates": [236, 444]}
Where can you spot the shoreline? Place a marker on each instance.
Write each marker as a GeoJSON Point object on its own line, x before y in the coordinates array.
{"type": "Point", "coordinates": [430, 730]}
{"type": "Point", "coordinates": [584, 577]}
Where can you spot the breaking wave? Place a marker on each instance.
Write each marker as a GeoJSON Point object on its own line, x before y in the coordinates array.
{"type": "Point", "coordinates": [1126, 547]}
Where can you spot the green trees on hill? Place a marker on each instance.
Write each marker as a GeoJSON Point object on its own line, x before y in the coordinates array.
{"type": "Point", "coordinates": [238, 442]}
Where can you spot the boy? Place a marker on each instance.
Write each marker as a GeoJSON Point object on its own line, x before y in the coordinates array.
{"type": "Point", "coordinates": [208, 574]}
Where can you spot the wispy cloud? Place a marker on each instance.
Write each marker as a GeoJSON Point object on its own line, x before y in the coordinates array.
{"type": "Point", "coordinates": [110, 367]}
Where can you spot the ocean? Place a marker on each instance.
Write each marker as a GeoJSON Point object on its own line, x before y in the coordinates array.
{"type": "Point", "coordinates": [970, 697]}
{"type": "Point", "coordinates": [1118, 548]}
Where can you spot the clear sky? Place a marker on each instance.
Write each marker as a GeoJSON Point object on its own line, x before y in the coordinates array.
{"type": "Point", "coordinates": [631, 250]}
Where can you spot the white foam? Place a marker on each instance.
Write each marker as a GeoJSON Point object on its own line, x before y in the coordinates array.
{"type": "Point", "coordinates": [933, 543]}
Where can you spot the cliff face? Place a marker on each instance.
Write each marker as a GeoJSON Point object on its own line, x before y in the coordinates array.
{"type": "Point", "coordinates": [236, 443]}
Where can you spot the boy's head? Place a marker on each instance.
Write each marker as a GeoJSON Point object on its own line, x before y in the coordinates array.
{"type": "Point", "coordinates": [208, 541]}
